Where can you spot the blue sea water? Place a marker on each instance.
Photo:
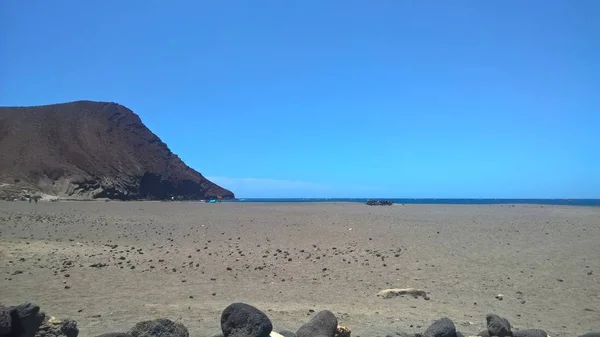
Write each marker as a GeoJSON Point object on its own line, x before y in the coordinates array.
{"type": "Point", "coordinates": [566, 202]}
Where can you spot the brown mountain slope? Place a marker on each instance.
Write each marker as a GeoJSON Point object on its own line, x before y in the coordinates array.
{"type": "Point", "coordinates": [92, 150]}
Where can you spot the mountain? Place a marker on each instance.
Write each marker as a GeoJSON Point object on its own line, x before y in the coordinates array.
{"type": "Point", "coordinates": [90, 149]}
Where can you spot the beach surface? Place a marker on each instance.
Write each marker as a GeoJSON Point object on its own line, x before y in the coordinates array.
{"type": "Point", "coordinates": [109, 265]}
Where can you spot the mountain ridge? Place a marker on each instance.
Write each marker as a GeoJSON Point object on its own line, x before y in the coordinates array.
{"type": "Point", "coordinates": [89, 149]}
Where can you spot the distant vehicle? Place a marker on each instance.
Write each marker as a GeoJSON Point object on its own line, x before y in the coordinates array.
{"type": "Point", "coordinates": [371, 202]}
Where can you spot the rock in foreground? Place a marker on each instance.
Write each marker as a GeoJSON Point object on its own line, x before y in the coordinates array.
{"type": "Point", "coordinates": [442, 327]}
{"type": "Point", "coordinates": [160, 327]}
{"type": "Point", "coordinates": [243, 320]}
{"type": "Point", "coordinates": [324, 324]}
{"type": "Point", "coordinates": [20, 321]}
{"type": "Point", "coordinates": [498, 326]}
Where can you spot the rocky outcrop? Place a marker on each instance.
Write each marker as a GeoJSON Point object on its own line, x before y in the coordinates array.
{"type": "Point", "coordinates": [90, 149]}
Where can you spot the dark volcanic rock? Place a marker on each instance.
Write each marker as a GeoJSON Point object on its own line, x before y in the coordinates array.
{"type": "Point", "coordinates": [323, 324]}
{"type": "Point", "coordinates": [161, 327]}
{"type": "Point", "coordinates": [69, 328]}
{"type": "Point", "coordinates": [90, 149]}
{"type": "Point", "coordinates": [66, 329]}
{"type": "Point", "coordinates": [5, 321]}
{"type": "Point", "coordinates": [442, 327]}
{"type": "Point", "coordinates": [530, 333]}
{"type": "Point", "coordinates": [243, 320]}
{"type": "Point", "coordinates": [498, 326]}
{"type": "Point", "coordinates": [25, 320]}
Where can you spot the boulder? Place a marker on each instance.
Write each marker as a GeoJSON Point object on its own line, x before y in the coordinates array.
{"type": "Point", "coordinates": [442, 327]}
{"type": "Point", "coordinates": [160, 327]}
{"type": "Point", "coordinates": [530, 333]}
{"type": "Point", "coordinates": [324, 324]}
{"type": "Point", "coordinates": [25, 320]}
{"type": "Point", "coordinates": [498, 326]}
{"type": "Point", "coordinates": [244, 320]}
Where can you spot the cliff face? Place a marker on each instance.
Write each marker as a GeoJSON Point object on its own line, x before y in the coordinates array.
{"type": "Point", "coordinates": [92, 150]}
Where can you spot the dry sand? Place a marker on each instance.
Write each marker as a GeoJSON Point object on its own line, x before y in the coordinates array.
{"type": "Point", "coordinates": [188, 261]}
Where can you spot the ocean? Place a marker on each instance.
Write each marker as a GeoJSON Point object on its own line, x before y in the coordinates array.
{"type": "Point", "coordinates": [566, 202]}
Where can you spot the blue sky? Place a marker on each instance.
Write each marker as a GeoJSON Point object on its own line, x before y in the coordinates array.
{"type": "Point", "coordinates": [334, 98]}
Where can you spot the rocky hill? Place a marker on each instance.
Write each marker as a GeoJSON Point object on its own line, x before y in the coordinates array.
{"type": "Point", "coordinates": [90, 149]}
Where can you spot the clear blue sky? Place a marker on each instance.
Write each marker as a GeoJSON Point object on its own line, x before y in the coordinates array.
{"type": "Point", "coordinates": [334, 98]}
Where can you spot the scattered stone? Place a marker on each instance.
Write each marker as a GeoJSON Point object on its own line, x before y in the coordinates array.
{"type": "Point", "coordinates": [324, 324]}
{"type": "Point", "coordinates": [530, 333]}
{"type": "Point", "coordinates": [499, 297]}
{"type": "Point", "coordinates": [244, 320]}
{"type": "Point", "coordinates": [98, 265]}
{"type": "Point", "coordinates": [442, 327]}
{"type": "Point", "coordinates": [160, 327]}
{"type": "Point", "coordinates": [498, 326]}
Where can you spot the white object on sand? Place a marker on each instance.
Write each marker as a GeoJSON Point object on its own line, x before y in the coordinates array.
{"type": "Point", "coordinates": [389, 293]}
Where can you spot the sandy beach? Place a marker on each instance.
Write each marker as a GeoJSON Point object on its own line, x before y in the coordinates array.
{"type": "Point", "coordinates": [108, 265]}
